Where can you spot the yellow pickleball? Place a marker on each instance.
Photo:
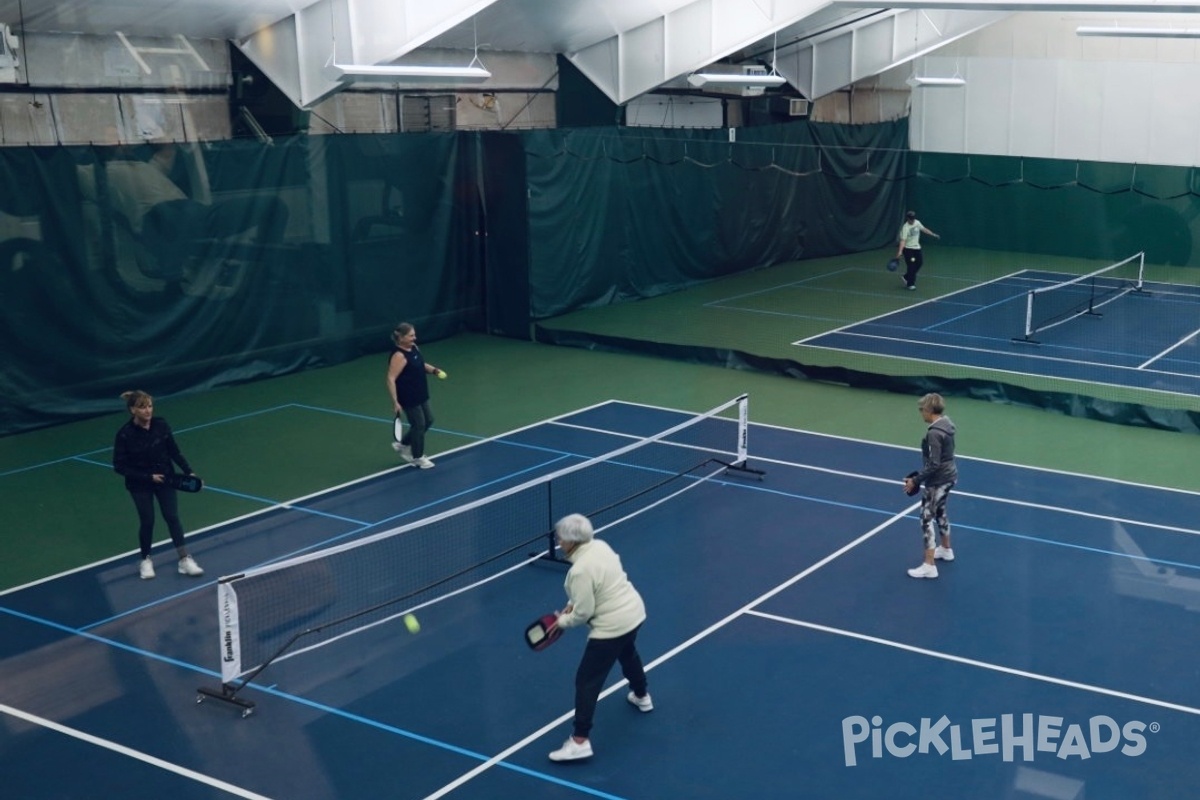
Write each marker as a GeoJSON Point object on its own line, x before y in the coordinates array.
{"type": "Point", "coordinates": [410, 622]}
{"type": "Point", "coordinates": [441, 373]}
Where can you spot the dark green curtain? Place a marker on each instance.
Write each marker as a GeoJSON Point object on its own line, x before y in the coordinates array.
{"type": "Point", "coordinates": [620, 214]}
{"type": "Point", "coordinates": [305, 252]}
{"type": "Point", "coordinates": [1073, 208]}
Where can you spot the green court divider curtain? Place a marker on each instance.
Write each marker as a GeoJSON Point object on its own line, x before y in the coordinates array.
{"type": "Point", "coordinates": [1085, 209]}
{"type": "Point", "coordinates": [111, 279]}
{"type": "Point", "coordinates": [620, 213]}
{"type": "Point", "coordinates": [94, 298]}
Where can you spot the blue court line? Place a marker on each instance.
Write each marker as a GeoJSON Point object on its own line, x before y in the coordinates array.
{"type": "Point", "coordinates": [383, 726]}
{"type": "Point", "coordinates": [1006, 341]}
{"type": "Point", "coordinates": [957, 526]}
{"type": "Point", "coordinates": [387, 420]}
{"type": "Point", "coordinates": [196, 587]}
{"type": "Point", "coordinates": [208, 487]}
{"type": "Point", "coordinates": [322, 544]}
{"type": "Point", "coordinates": [975, 310]}
{"type": "Point", "coordinates": [1071, 545]}
{"type": "Point", "coordinates": [31, 467]}
{"type": "Point", "coordinates": [224, 420]}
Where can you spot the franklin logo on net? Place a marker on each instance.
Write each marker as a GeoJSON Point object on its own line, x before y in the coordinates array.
{"type": "Point", "coordinates": [1010, 737]}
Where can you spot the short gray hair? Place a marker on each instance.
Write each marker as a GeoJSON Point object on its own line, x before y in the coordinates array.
{"type": "Point", "coordinates": [574, 528]}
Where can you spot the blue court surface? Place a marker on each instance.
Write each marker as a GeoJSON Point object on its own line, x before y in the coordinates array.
{"type": "Point", "coordinates": [789, 653]}
{"type": "Point", "coordinates": [1145, 340]}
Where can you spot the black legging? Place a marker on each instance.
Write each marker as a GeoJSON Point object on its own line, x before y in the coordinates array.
{"type": "Point", "coordinates": [168, 501]}
{"type": "Point", "coordinates": [913, 261]}
{"type": "Point", "coordinates": [420, 419]}
{"type": "Point", "coordinates": [598, 658]}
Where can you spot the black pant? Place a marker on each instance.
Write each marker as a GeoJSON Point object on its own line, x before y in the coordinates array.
{"type": "Point", "coordinates": [597, 661]}
{"type": "Point", "coordinates": [420, 419]}
{"type": "Point", "coordinates": [913, 260]}
{"type": "Point", "coordinates": [168, 501]}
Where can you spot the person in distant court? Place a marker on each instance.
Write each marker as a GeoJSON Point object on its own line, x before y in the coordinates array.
{"type": "Point", "coordinates": [909, 248]}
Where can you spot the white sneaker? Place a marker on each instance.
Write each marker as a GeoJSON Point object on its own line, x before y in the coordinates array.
{"type": "Point", "coordinates": [188, 566]}
{"type": "Point", "coordinates": [572, 750]}
{"type": "Point", "coordinates": [923, 571]}
{"type": "Point", "coordinates": [943, 553]}
{"type": "Point", "coordinates": [404, 450]}
{"type": "Point", "coordinates": [642, 704]}
{"type": "Point", "coordinates": [146, 569]}
{"type": "Point", "coordinates": [423, 462]}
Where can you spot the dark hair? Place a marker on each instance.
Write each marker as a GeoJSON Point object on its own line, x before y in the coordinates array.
{"type": "Point", "coordinates": [910, 215]}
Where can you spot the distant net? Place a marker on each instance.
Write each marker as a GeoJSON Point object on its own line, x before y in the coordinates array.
{"type": "Point", "coordinates": [279, 610]}
{"type": "Point", "coordinates": [1049, 306]}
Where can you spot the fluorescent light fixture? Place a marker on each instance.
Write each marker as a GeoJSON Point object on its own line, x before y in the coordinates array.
{"type": "Point", "coordinates": [936, 82]}
{"type": "Point", "coordinates": [1139, 33]}
{"type": "Point", "coordinates": [699, 79]}
{"type": "Point", "coordinates": [401, 72]}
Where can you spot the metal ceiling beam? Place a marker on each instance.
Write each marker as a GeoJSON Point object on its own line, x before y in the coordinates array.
{"type": "Point", "coordinates": [833, 60]}
{"type": "Point", "coordinates": [682, 40]}
{"type": "Point", "coordinates": [293, 52]}
{"type": "Point", "coordinates": [1054, 6]}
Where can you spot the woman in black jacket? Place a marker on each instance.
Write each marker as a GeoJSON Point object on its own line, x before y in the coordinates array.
{"type": "Point", "coordinates": [143, 453]}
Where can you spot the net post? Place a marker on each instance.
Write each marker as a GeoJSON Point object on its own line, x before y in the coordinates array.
{"type": "Point", "coordinates": [741, 461]}
{"type": "Point", "coordinates": [550, 556]}
{"type": "Point", "coordinates": [1027, 337]}
{"type": "Point", "coordinates": [229, 633]}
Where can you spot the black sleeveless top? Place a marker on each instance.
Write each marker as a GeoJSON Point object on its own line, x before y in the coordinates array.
{"type": "Point", "coordinates": [412, 384]}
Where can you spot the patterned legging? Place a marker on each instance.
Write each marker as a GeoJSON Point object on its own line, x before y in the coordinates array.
{"type": "Point", "coordinates": [933, 513]}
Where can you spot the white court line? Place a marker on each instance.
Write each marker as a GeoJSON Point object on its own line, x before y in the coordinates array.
{"type": "Point", "coordinates": [927, 301]}
{"type": "Point", "coordinates": [237, 791]}
{"type": "Point", "coordinates": [496, 759]}
{"type": "Point", "coordinates": [1157, 356]}
{"type": "Point", "coordinates": [971, 662]}
{"type": "Point", "coordinates": [1018, 372]}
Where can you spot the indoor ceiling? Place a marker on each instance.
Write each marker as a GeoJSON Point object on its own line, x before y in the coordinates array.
{"type": "Point", "coordinates": [627, 47]}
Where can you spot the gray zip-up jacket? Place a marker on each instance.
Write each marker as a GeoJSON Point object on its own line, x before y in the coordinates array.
{"type": "Point", "coordinates": [937, 454]}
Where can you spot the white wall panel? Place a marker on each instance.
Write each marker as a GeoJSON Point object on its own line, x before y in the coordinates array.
{"type": "Point", "coordinates": [943, 113]}
{"type": "Point", "coordinates": [1125, 113]}
{"type": "Point", "coordinates": [1080, 112]}
{"type": "Point", "coordinates": [1175, 126]}
{"type": "Point", "coordinates": [990, 105]}
{"type": "Point", "coordinates": [1034, 103]}
{"type": "Point", "coordinates": [1036, 89]}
